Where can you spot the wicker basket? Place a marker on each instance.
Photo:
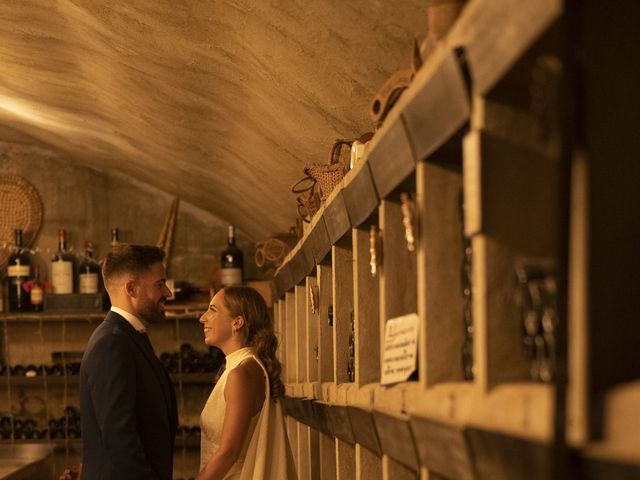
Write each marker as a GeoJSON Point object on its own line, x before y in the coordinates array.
{"type": "Point", "coordinates": [326, 176]}
{"type": "Point", "coordinates": [20, 207]}
{"type": "Point", "coordinates": [308, 198]}
{"type": "Point", "coordinates": [320, 179]}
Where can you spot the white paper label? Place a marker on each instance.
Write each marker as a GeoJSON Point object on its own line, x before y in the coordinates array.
{"type": "Point", "coordinates": [62, 277]}
{"type": "Point", "coordinates": [472, 183]}
{"type": "Point", "coordinates": [400, 349]}
{"type": "Point", "coordinates": [37, 296]}
{"type": "Point", "coordinates": [18, 271]}
{"type": "Point", "coordinates": [231, 276]}
{"type": "Point", "coordinates": [88, 282]}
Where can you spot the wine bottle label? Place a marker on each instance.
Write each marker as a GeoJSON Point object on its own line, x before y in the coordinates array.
{"type": "Point", "coordinates": [231, 276]}
{"type": "Point", "coordinates": [18, 271]}
{"type": "Point", "coordinates": [62, 277]}
{"type": "Point", "coordinates": [88, 282]}
{"type": "Point", "coordinates": [37, 295]}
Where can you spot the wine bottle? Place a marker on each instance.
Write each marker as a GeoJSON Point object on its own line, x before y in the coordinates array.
{"type": "Point", "coordinates": [32, 370]}
{"type": "Point", "coordinates": [89, 271]}
{"type": "Point", "coordinates": [36, 294]}
{"type": "Point", "coordinates": [18, 425]}
{"type": "Point", "coordinates": [18, 272]}
{"type": "Point", "coordinates": [187, 355]}
{"type": "Point", "coordinates": [115, 237]}
{"type": "Point", "coordinates": [62, 267]}
{"type": "Point", "coordinates": [5, 428]}
{"type": "Point", "coordinates": [231, 261]}
{"type": "Point", "coordinates": [182, 291]}
{"type": "Point", "coordinates": [55, 370]}
{"type": "Point", "coordinates": [29, 427]}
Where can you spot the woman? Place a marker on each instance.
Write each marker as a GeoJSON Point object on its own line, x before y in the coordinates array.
{"type": "Point", "coordinates": [243, 433]}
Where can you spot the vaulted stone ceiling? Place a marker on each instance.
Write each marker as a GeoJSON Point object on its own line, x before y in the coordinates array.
{"type": "Point", "coordinates": [218, 102]}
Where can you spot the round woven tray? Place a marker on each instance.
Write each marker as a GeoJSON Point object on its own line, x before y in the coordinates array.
{"type": "Point", "coordinates": [20, 207]}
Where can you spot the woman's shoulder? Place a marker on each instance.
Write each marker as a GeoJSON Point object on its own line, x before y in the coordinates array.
{"type": "Point", "coordinates": [249, 369]}
{"type": "Point", "coordinates": [247, 379]}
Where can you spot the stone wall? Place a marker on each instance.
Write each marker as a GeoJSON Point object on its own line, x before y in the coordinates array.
{"type": "Point", "coordinates": [88, 203]}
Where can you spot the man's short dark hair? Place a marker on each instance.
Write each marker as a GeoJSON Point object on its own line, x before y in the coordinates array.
{"type": "Point", "coordinates": [130, 259]}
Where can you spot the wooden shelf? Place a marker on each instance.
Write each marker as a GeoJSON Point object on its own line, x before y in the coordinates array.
{"type": "Point", "coordinates": [496, 33]}
{"type": "Point", "coordinates": [73, 380]}
{"type": "Point", "coordinates": [392, 157]}
{"type": "Point", "coordinates": [173, 312]}
{"type": "Point", "coordinates": [94, 316]}
{"type": "Point", "coordinates": [39, 381]}
{"type": "Point", "coordinates": [57, 443]}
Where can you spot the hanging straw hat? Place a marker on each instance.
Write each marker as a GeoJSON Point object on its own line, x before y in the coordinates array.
{"type": "Point", "coordinates": [20, 207]}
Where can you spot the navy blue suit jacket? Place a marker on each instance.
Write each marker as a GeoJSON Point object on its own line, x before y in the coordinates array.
{"type": "Point", "coordinates": [127, 406]}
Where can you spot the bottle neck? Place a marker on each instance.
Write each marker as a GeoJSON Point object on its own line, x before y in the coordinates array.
{"type": "Point", "coordinates": [62, 245]}
{"type": "Point", "coordinates": [231, 236]}
{"type": "Point", "coordinates": [18, 239]}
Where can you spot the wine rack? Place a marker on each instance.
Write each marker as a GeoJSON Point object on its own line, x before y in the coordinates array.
{"type": "Point", "coordinates": [44, 394]}
{"type": "Point", "coordinates": [482, 142]}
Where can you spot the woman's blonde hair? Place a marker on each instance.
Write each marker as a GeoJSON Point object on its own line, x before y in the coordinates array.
{"type": "Point", "coordinates": [249, 304]}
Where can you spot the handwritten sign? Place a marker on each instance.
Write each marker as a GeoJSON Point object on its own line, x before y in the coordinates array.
{"type": "Point", "coordinates": [400, 349]}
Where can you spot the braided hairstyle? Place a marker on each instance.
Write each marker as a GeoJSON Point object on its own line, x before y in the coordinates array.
{"type": "Point", "coordinates": [249, 304]}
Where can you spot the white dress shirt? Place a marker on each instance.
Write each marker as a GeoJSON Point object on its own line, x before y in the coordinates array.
{"type": "Point", "coordinates": [135, 322]}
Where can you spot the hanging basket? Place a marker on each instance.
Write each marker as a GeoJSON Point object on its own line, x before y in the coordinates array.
{"type": "Point", "coordinates": [320, 179]}
{"type": "Point", "coordinates": [20, 207]}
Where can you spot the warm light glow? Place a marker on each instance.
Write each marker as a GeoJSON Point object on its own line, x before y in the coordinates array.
{"type": "Point", "coordinates": [22, 111]}
{"type": "Point", "coordinates": [99, 136]}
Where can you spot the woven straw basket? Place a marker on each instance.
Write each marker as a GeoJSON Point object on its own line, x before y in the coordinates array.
{"type": "Point", "coordinates": [20, 207]}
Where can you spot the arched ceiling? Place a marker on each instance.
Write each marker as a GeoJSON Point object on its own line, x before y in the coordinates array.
{"type": "Point", "coordinates": [218, 102]}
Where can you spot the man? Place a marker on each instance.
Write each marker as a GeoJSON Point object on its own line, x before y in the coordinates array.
{"type": "Point", "coordinates": [127, 402]}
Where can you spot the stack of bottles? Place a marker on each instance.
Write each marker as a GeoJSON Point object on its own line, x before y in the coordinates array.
{"type": "Point", "coordinates": [17, 428]}
{"type": "Point", "coordinates": [20, 429]}
{"type": "Point", "coordinates": [31, 370]}
{"type": "Point", "coordinates": [188, 360]}
{"type": "Point", "coordinates": [67, 426]}
{"type": "Point", "coordinates": [69, 273]}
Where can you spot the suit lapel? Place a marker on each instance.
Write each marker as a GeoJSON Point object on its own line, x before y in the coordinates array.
{"type": "Point", "coordinates": [145, 346]}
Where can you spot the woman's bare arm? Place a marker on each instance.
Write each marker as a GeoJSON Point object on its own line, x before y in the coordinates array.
{"type": "Point", "coordinates": [244, 394]}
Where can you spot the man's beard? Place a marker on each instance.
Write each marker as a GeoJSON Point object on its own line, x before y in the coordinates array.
{"type": "Point", "coordinates": [151, 312]}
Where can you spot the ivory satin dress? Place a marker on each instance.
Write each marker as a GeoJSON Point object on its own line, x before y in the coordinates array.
{"type": "Point", "coordinates": [266, 454]}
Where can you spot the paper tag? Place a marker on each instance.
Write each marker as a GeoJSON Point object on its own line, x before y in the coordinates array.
{"type": "Point", "coordinates": [62, 277]}
{"type": "Point", "coordinates": [230, 276]}
{"type": "Point", "coordinates": [18, 271]}
{"type": "Point", "coordinates": [472, 183]}
{"type": "Point", "coordinates": [400, 350]}
{"type": "Point", "coordinates": [88, 282]}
